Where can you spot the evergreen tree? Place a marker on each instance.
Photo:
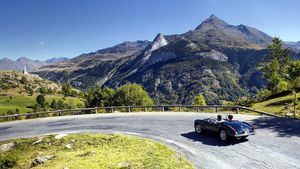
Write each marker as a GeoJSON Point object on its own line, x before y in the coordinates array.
{"type": "Point", "coordinates": [274, 69]}
{"type": "Point", "coordinates": [54, 105]}
{"type": "Point", "coordinates": [294, 73]}
{"type": "Point", "coordinates": [66, 89]}
{"type": "Point", "coordinates": [40, 99]}
{"type": "Point", "coordinates": [60, 104]}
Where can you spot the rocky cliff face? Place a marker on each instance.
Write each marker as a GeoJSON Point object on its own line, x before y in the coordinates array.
{"type": "Point", "coordinates": [216, 59]}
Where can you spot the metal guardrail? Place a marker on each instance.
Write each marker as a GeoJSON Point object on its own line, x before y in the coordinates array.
{"type": "Point", "coordinates": [258, 111]}
{"type": "Point", "coordinates": [112, 109]}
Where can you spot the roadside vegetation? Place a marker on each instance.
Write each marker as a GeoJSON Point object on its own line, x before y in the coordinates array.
{"type": "Point", "coordinates": [15, 103]}
{"type": "Point", "coordinates": [282, 75]}
{"type": "Point", "coordinates": [98, 151]}
{"type": "Point", "coordinates": [280, 105]}
{"type": "Point", "coordinates": [66, 97]}
{"type": "Point", "coordinates": [25, 93]}
{"type": "Point", "coordinates": [126, 95]}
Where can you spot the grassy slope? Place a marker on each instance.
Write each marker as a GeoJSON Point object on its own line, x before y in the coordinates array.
{"type": "Point", "coordinates": [277, 105]}
{"type": "Point", "coordinates": [109, 152]}
{"type": "Point", "coordinates": [23, 101]}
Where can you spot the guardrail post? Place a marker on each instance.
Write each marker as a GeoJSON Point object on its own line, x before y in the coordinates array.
{"type": "Point", "coordinates": [145, 109]}
{"type": "Point", "coordinates": [162, 108]}
{"type": "Point", "coordinates": [237, 110]}
{"type": "Point", "coordinates": [216, 110]}
{"type": "Point", "coordinates": [112, 109]}
{"type": "Point", "coordinates": [96, 110]}
{"type": "Point", "coordinates": [129, 109]}
{"type": "Point", "coordinates": [179, 108]}
{"type": "Point", "coordinates": [197, 109]}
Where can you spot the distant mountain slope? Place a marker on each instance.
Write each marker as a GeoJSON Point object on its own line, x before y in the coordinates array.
{"type": "Point", "coordinates": [93, 68]}
{"type": "Point", "coordinates": [295, 46]}
{"type": "Point", "coordinates": [18, 65]}
{"type": "Point", "coordinates": [216, 59]}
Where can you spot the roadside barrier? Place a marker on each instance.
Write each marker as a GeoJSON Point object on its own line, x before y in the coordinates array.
{"type": "Point", "coordinates": [154, 108]}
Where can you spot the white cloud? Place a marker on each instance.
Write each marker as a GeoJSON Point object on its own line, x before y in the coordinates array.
{"type": "Point", "coordinates": [42, 43]}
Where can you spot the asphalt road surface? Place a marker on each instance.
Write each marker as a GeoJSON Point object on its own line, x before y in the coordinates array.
{"type": "Point", "coordinates": [275, 145]}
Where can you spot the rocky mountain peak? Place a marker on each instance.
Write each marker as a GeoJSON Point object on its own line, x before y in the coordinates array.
{"type": "Point", "coordinates": [212, 22]}
{"type": "Point", "coordinates": [159, 41]}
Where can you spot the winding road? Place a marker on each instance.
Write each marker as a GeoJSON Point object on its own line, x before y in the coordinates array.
{"type": "Point", "coordinates": [276, 144]}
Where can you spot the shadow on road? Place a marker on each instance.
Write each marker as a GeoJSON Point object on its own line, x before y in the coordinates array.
{"type": "Point", "coordinates": [210, 139]}
{"type": "Point", "coordinates": [283, 127]}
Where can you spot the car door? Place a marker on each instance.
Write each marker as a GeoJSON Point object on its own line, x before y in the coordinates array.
{"type": "Point", "coordinates": [213, 125]}
{"type": "Point", "coordinates": [205, 124]}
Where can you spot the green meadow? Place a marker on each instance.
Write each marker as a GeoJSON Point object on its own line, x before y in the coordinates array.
{"type": "Point", "coordinates": [24, 102]}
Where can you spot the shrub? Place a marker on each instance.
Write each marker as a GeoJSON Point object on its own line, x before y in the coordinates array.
{"type": "Point", "coordinates": [132, 95]}
{"type": "Point", "coordinates": [199, 100]}
{"type": "Point", "coordinates": [40, 99]}
{"type": "Point", "coordinates": [263, 94]}
{"type": "Point", "coordinates": [8, 161]}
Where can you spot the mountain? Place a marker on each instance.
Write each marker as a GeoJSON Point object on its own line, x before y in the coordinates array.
{"type": "Point", "coordinates": [216, 59]}
{"type": "Point", "coordinates": [295, 46]}
{"type": "Point", "coordinates": [56, 60]}
{"type": "Point", "coordinates": [18, 65]}
{"type": "Point", "coordinates": [93, 68]}
{"type": "Point", "coordinates": [214, 32]}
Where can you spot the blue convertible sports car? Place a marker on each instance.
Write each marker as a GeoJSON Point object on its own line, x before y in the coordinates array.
{"type": "Point", "coordinates": [225, 128]}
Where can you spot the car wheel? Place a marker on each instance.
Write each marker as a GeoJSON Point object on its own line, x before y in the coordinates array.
{"type": "Point", "coordinates": [223, 135]}
{"type": "Point", "coordinates": [198, 129]}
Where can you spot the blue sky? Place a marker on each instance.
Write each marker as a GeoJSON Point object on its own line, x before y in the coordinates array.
{"type": "Point", "coordinates": [42, 29]}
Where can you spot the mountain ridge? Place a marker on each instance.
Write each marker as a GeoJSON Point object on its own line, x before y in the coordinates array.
{"type": "Point", "coordinates": [20, 63]}
{"type": "Point", "coordinates": [216, 59]}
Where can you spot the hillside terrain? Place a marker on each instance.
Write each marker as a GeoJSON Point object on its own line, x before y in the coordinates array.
{"type": "Point", "coordinates": [19, 91]}
{"type": "Point", "coordinates": [16, 82]}
{"type": "Point", "coordinates": [25, 103]}
{"type": "Point", "coordinates": [216, 59]}
{"type": "Point", "coordinates": [282, 105]}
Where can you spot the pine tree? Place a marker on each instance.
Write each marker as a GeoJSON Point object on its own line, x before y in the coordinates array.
{"type": "Point", "coordinates": [274, 69]}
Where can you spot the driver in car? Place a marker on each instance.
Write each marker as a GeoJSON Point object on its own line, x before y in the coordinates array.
{"type": "Point", "coordinates": [219, 118]}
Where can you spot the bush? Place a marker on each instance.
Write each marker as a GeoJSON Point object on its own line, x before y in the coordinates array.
{"type": "Point", "coordinates": [199, 100]}
{"type": "Point", "coordinates": [132, 95]}
{"type": "Point", "coordinates": [245, 101]}
{"type": "Point", "coordinates": [8, 161]}
{"type": "Point", "coordinates": [99, 97]}
{"type": "Point", "coordinates": [40, 99]}
{"type": "Point", "coordinates": [282, 86]}
{"type": "Point", "coordinates": [263, 95]}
